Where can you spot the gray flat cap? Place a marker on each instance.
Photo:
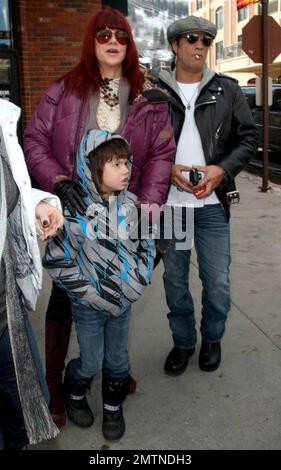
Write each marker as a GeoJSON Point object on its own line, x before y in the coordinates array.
{"type": "Point", "coordinates": [190, 24]}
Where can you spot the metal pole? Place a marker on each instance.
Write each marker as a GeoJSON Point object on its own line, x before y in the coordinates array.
{"type": "Point", "coordinates": [265, 58]}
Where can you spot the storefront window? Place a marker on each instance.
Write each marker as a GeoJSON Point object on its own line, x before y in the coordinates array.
{"type": "Point", "coordinates": [9, 78]}
{"type": "Point", "coordinates": [5, 78]}
{"type": "Point", "coordinates": [5, 25]}
{"type": "Point", "coordinates": [149, 20]}
{"type": "Point", "coordinates": [121, 5]}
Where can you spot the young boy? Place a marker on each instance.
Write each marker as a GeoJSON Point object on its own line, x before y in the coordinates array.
{"type": "Point", "coordinates": [103, 270]}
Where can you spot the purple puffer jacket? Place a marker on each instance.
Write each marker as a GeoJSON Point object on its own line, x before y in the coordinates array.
{"type": "Point", "coordinates": [53, 135]}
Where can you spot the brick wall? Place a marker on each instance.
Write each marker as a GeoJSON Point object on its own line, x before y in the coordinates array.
{"type": "Point", "coordinates": [50, 35]}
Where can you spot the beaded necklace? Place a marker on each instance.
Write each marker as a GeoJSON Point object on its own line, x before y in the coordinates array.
{"type": "Point", "coordinates": [109, 91]}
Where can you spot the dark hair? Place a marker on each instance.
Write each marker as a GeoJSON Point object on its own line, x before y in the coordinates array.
{"type": "Point", "coordinates": [104, 153]}
{"type": "Point", "coordinates": [87, 74]}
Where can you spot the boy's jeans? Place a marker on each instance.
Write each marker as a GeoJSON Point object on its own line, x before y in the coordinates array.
{"type": "Point", "coordinates": [212, 243]}
{"type": "Point", "coordinates": [103, 342]}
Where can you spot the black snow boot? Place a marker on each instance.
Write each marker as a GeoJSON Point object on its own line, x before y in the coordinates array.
{"type": "Point", "coordinates": [114, 393]}
{"type": "Point", "coordinates": [76, 403]}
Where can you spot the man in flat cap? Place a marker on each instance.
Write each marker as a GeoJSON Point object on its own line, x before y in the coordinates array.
{"type": "Point", "coordinates": [216, 135]}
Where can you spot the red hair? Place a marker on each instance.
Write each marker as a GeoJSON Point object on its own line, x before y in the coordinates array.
{"type": "Point", "coordinates": [86, 74]}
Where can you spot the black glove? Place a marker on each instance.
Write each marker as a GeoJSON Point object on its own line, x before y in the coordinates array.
{"type": "Point", "coordinates": [71, 194]}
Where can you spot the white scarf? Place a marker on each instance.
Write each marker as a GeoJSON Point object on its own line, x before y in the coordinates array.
{"type": "Point", "coordinates": [38, 422]}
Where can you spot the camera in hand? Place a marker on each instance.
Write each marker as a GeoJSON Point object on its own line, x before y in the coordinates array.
{"type": "Point", "coordinates": [195, 176]}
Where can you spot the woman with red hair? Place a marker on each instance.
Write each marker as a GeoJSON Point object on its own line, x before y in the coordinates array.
{"type": "Point", "coordinates": [106, 90]}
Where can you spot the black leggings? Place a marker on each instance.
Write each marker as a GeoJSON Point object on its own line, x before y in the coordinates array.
{"type": "Point", "coordinates": [59, 308]}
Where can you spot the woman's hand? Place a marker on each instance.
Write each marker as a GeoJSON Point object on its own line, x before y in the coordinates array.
{"type": "Point", "coordinates": [71, 194]}
{"type": "Point", "coordinates": [49, 219]}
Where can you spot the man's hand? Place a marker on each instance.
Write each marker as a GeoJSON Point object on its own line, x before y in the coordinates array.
{"type": "Point", "coordinates": [71, 194]}
{"type": "Point", "coordinates": [178, 180]}
{"type": "Point", "coordinates": [213, 176]}
{"type": "Point", "coordinates": [49, 219]}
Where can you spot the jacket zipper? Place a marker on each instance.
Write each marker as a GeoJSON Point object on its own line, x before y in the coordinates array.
{"type": "Point", "coordinates": [205, 102]}
{"type": "Point", "coordinates": [211, 152]}
{"type": "Point", "coordinates": [76, 139]}
{"type": "Point", "coordinates": [218, 130]}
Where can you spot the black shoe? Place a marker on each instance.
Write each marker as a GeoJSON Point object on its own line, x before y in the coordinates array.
{"type": "Point", "coordinates": [113, 425]}
{"type": "Point", "coordinates": [79, 411]}
{"type": "Point", "coordinates": [177, 360]}
{"type": "Point", "coordinates": [210, 356]}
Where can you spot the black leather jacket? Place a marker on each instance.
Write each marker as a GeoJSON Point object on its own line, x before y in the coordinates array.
{"type": "Point", "coordinates": [224, 121]}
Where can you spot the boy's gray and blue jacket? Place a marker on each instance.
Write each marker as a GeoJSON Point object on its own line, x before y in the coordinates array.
{"type": "Point", "coordinates": [106, 273]}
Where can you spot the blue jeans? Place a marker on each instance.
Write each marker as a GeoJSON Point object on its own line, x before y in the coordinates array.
{"type": "Point", "coordinates": [212, 244]}
{"type": "Point", "coordinates": [103, 342]}
{"type": "Point", "coordinates": [12, 428]}
{"type": "Point", "coordinates": [36, 358]}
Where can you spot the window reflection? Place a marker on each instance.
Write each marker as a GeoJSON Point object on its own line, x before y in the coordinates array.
{"type": "Point", "coordinates": [149, 20]}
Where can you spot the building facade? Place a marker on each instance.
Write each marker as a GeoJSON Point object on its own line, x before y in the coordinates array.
{"type": "Point", "coordinates": [40, 40]}
{"type": "Point", "coordinates": [227, 55]}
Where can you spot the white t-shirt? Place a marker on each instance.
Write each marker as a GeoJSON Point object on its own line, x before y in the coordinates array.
{"type": "Point", "coordinates": [189, 150]}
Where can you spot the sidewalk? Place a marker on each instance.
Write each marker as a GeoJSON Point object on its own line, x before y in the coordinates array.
{"type": "Point", "coordinates": [239, 405]}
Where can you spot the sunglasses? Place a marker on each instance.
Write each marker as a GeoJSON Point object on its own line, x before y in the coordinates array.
{"type": "Point", "coordinates": [105, 35]}
{"type": "Point", "coordinates": [193, 38]}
